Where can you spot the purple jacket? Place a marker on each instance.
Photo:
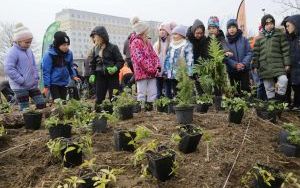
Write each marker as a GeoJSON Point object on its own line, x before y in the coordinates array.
{"type": "Point", "coordinates": [21, 69]}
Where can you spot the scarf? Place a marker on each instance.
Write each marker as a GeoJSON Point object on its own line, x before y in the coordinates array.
{"type": "Point", "coordinates": [234, 38]}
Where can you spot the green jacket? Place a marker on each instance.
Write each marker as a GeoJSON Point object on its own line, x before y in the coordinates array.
{"type": "Point", "coordinates": [271, 55]}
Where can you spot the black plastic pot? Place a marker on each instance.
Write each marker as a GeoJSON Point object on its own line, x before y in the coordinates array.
{"type": "Point", "coordinates": [259, 182]}
{"type": "Point", "coordinates": [171, 107]}
{"type": "Point", "coordinates": [202, 108]}
{"type": "Point", "coordinates": [218, 103]}
{"type": "Point", "coordinates": [32, 120]}
{"type": "Point", "coordinates": [163, 109]}
{"type": "Point", "coordinates": [189, 139]}
{"type": "Point", "coordinates": [121, 140]}
{"type": "Point", "coordinates": [236, 117]}
{"type": "Point", "coordinates": [108, 109]}
{"type": "Point", "coordinates": [184, 115]}
{"type": "Point", "coordinates": [283, 137]}
{"type": "Point", "coordinates": [87, 176]}
{"type": "Point", "coordinates": [266, 115]}
{"type": "Point", "coordinates": [99, 125]}
{"type": "Point", "coordinates": [160, 165]}
{"type": "Point", "coordinates": [72, 158]}
{"type": "Point", "coordinates": [125, 112]}
{"type": "Point", "coordinates": [290, 150]}
{"type": "Point", "coordinates": [136, 108]}
{"type": "Point", "coordinates": [60, 130]}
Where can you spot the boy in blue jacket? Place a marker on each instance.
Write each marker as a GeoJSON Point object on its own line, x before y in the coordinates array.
{"type": "Point", "coordinates": [238, 65]}
{"type": "Point", "coordinates": [57, 67]}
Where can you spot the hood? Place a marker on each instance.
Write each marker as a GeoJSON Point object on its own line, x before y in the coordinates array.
{"type": "Point", "coordinates": [296, 21]}
{"type": "Point", "coordinates": [53, 51]}
{"type": "Point", "coordinates": [197, 23]}
{"type": "Point", "coordinates": [101, 31]}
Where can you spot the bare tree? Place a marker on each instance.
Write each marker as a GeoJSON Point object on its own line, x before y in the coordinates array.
{"type": "Point", "coordinates": [289, 5]}
{"type": "Point", "coordinates": [6, 41]}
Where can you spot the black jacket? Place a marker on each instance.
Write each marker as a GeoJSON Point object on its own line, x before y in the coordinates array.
{"type": "Point", "coordinates": [200, 46]}
{"type": "Point", "coordinates": [111, 55]}
{"type": "Point", "coordinates": [294, 40]}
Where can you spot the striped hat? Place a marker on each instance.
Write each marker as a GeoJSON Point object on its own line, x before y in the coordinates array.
{"type": "Point", "coordinates": [21, 33]}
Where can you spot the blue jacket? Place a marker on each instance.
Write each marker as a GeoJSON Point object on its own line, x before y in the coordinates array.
{"type": "Point", "coordinates": [57, 70]}
{"type": "Point", "coordinates": [184, 49]}
{"type": "Point", "coordinates": [241, 53]}
{"type": "Point", "coordinates": [294, 40]}
{"type": "Point", "coordinates": [21, 69]}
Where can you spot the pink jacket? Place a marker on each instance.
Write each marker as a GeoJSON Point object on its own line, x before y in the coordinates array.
{"type": "Point", "coordinates": [145, 61]}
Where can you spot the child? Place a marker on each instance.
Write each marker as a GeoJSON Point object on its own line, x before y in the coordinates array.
{"type": "Point", "coordinates": [145, 63]}
{"type": "Point", "coordinates": [161, 46]}
{"type": "Point", "coordinates": [21, 69]}
{"type": "Point", "coordinates": [179, 48]}
{"type": "Point", "coordinates": [293, 35]}
{"type": "Point", "coordinates": [272, 58]}
{"type": "Point", "coordinates": [125, 76]}
{"type": "Point", "coordinates": [238, 65]}
{"type": "Point", "coordinates": [57, 66]}
{"type": "Point", "coordinates": [105, 61]}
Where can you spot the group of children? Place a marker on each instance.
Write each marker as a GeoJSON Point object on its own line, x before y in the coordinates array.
{"type": "Point", "coordinates": [154, 67]}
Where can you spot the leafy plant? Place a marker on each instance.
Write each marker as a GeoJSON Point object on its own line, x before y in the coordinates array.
{"type": "Point", "coordinates": [290, 181]}
{"type": "Point", "coordinates": [175, 138]}
{"type": "Point", "coordinates": [204, 99]}
{"type": "Point", "coordinates": [293, 133]}
{"type": "Point", "coordinates": [140, 152]}
{"type": "Point", "coordinates": [213, 70]}
{"type": "Point", "coordinates": [2, 131]}
{"type": "Point", "coordinates": [236, 104]}
{"type": "Point", "coordinates": [55, 121]}
{"type": "Point", "coordinates": [141, 133]}
{"type": "Point", "coordinates": [162, 102]}
{"type": "Point", "coordinates": [125, 99]}
{"type": "Point", "coordinates": [185, 85]}
{"type": "Point", "coordinates": [72, 182]}
{"type": "Point", "coordinates": [5, 108]}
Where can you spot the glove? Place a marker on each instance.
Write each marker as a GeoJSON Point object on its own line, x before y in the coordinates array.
{"type": "Point", "coordinates": [92, 79]}
{"type": "Point", "coordinates": [45, 91]}
{"type": "Point", "coordinates": [112, 70]}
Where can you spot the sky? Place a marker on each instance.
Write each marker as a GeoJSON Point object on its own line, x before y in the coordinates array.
{"type": "Point", "coordinates": [37, 15]}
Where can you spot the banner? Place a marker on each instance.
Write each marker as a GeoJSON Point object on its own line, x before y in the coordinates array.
{"type": "Point", "coordinates": [241, 18]}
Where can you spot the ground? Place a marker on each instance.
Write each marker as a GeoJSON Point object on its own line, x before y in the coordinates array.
{"type": "Point", "coordinates": [32, 165]}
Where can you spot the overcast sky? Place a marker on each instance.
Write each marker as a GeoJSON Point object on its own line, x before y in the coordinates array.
{"type": "Point", "coordinates": [39, 14]}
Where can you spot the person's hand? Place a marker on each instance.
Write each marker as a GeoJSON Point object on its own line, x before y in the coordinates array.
{"type": "Point", "coordinates": [287, 68]}
{"type": "Point", "coordinates": [92, 79]}
{"type": "Point", "coordinates": [254, 70]}
{"type": "Point", "coordinates": [112, 70]}
{"type": "Point", "coordinates": [76, 79]}
{"type": "Point", "coordinates": [240, 66]}
{"type": "Point", "coordinates": [45, 91]}
{"type": "Point", "coordinates": [228, 54]}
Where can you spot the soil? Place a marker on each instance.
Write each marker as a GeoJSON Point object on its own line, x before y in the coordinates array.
{"type": "Point", "coordinates": [31, 165]}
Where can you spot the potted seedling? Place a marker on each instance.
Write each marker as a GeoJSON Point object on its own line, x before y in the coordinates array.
{"type": "Point", "coordinates": [99, 124]}
{"type": "Point", "coordinates": [262, 176]}
{"type": "Point", "coordinates": [123, 105]}
{"type": "Point", "coordinates": [162, 103]}
{"type": "Point", "coordinates": [237, 107]}
{"type": "Point", "coordinates": [290, 140]}
{"type": "Point", "coordinates": [58, 128]}
{"type": "Point", "coordinates": [70, 150]}
{"type": "Point", "coordinates": [203, 102]}
{"type": "Point", "coordinates": [107, 106]}
{"type": "Point", "coordinates": [32, 118]}
{"type": "Point", "coordinates": [184, 110]}
{"type": "Point", "coordinates": [266, 110]}
{"type": "Point", "coordinates": [161, 163]}
{"type": "Point", "coordinates": [190, 136]}
{"type": "Point", "coordinates": [213, 73]}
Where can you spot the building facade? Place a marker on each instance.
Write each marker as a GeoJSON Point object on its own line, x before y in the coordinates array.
{"type": "Point", "coordinates": [79, 24]}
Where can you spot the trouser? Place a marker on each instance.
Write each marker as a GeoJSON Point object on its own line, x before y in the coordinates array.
{"type": "Point", "coordinates": [296, 89]}
{"type": "Point", "coordinates": [260, 88]}
{"type": "Point", "coordinates": [23, 98]}
{"type": "Point", "coordinates": [58, 92]}
{"type": "Point", "coordinates": [130, 64]}
{"type": "Point", "coordinates": [241, 80]}
{"type": "Point", "coordinates": [289, 90]}
{"type": "Point", "coordinates": [269, 84]}
{"type": "Point", "coordinates": [146, 90]}
{"type": "Point", "coordinates": [73, 93]}
{"type": "Point", "coordinates": [171, 88]}
{"type": "Point", "coordinates": [160, 87]}
{"type": "Point", "coordinates": [105, 84]}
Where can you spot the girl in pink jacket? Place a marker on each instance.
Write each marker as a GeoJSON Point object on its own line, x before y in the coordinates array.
{"type": "Point", "coordinates": [145, 63]}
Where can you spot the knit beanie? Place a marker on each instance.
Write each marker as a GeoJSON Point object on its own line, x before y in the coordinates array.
{"type": "Point", "coordinates": [60, 38]}
{"type": "Point", "coordinates": [232, 22]}
{"type": "Point", "coordinates": [173, 25]}
{"type": "Point", "coordinates": [21, 33]}
{"type": "Point", "coordinates": [166, 27]}
{"type": "Point", "coordinates": [267, 19]}
{"type": "Point", "coordinates": [138, 26]}
{"type": "Point", "coordinates": [180, 29]}
{"type": "Point", "coordinates": [213, 21]}
{"type": "Point", "coordinates": [197, 24]}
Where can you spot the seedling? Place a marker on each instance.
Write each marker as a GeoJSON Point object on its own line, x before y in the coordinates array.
{"type": "Point", "coordinates": [204, 99]}
{"type": "Point", "coordinates": [2, 131]}
{"type": "Point", "coordinates": [294, 133]}
{"type": "Point", "coordinates": [162, 102]}
{"type": "Point", "coordinates": [236, 104]}
{"type": "Point", "coordinates": [72, 182]}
